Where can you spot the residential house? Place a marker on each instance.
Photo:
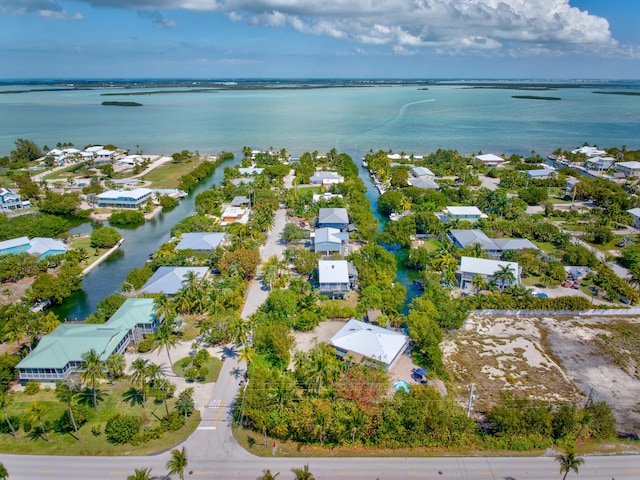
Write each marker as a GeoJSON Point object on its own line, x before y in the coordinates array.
{"type": "Point", "coordinates": [104, 157]}
{"type": "Point", "coordinates": [636, 217]}
{"type": "Point", "coordinates": [59, 354]}
{"type": "Point", "coordinates": [490, 160]}
{"type": "Point", "coordinates": [170, 280]}
{"type": "Point", "coordinates": [240, 201]}
{"type": "Point", "coordinates": [333, 217]}
{"type": "Point", "coordinates": [369, 344]}
{"type": "Point", "coordinates": [569, 188]}
{"type": "Point", "coordinates": [471, 267]}
{"type": "Point", "coordinates": [43, 247]}
{"type": "Point", "coordinates": [496, 246]}
{"type": "Point", "coordinates": [325, 196]}
{"type": "Point", "coordinates": [15, 245]}
{"type": "Point", "coordinates": [201, 241]}
{"type": "Point", "coordinates": [589, 151]}
{"type": "Point", "coordinates": [629, 169]}
{"type": "Point", "coordinates": [326, 178]}
{"type": "Point", "coordinates": [124, 198]}
{"type": "Point", "coordinates": [250, 171]}
{"type": "Point", "coordinates": [9, 201]}
{"type": "Point", "coordinates": [130, 160]}
{"type": "Point", "coordinates": [422, 172]}
{"type": "Point", "coordinates": [542, 173]}
{"type": "Point", "coordinates": [242, 181]}
{"type": "Point", "coordinates": [471, 214]}
{"type": "Point", "coordinates": [424, 183]}
{"type": "Point", "coordinates": [336, 278]}
{"type": "Point", "coordinates": [231, 214]}
{"type": "Point", "coordinates": [599, 164]}
{"type": "Point", "coordinates": [329, 239]}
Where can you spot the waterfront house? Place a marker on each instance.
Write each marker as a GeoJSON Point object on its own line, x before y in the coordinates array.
{"type": "Point", "coordinates": [369, 344]}
{"type": "Point", "coordinates": [490, 160]}
{"type": "Point", "coordinates": [424, 183]}
{"type": "Point", "coordinates": [496, 246]}
{"type": "Point", "coordinates": [9, 201]}
{"type": "Point", "coordinates": [201, 241]}
{"type": "Point", "coordinates": [15, 245]}
{"type": "Point", "coordinates": [471, 214]}
{"type": "Point", "coordinates": [326, 178]}
{"type": "Point", "coordinates": [130, 160]}
{"type": "Point", "coordinates": [333, 217]}
{"type": "Point", "coordinates": [542, 173]}
{"type": "Point", "coordinates": [636, 216]}
{"type": "Point", "coordinates": [170, 280]}
{"type": "Point", "coordinates": [59, 354]}
{"type": "Point", "coordinates": [43, 247]}
{"type": "Point", "coordinates": [628, 169]}
{"type": "Point", "coordinates": [329, 239]}
{"type": "Point", "coordinates": [599, 164]}
{"type": "Point", "coordinates": [471, 267]}
{"type": "Point", "coordinates": [589, 151]}
{"type": "Point", "coordinates": [336, 278]}
{"type": "Point", "coordinates": [422, 172]}
{"type": "Point", "coordinates": [124, 198]}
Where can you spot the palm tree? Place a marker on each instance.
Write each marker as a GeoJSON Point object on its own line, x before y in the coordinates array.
{"type": "Point", "coordinates": [34, 413]}
{"type": "Point", "coordinates": [67, 395]}
{"type": "Point", "coordinates": [303, 473]}
{"type": "Point", "coordinates": [504, 276]}
{"type": "Point", "coordinates": [479, 283]}
{"type": "Point", "coordinates": [142, 474]}
{"type": "Point", "coordinates": [267, 475]}
{"type": "Point", "coordinates": [164, 307]}
{"type": "Point", "coordinates": [3, 472]}
{"type": "Point", "coordinates": [178, 462]}
{"type": "Point", "coordinates": [5, 400]}
{"type": "Point", "coordinates": [568, 461]}
{"type": "Point", "coordinates": [116, 365]}
{"type": "Point", "coordinates": [164, 336]}
{"type": "Point", "coordinates": [93, 370]}
{"type": "Point", "coordinates": [139, 377]}
{"type": "Point", "coordinates": [247, 354]}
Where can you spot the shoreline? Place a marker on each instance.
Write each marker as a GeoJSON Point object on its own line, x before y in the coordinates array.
{"type": "Point", "coordinates": [102, 257]}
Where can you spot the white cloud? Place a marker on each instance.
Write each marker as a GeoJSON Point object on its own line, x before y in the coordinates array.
{"type": "Point", "coordinates": [43, 8]}
{"type": "Point", "coordinates": [513, 26]}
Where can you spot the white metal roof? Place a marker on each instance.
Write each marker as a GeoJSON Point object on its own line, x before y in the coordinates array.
{"type": "Point", "coordinates": [463, 211]}
{"type": "Point", "coordinates": [333, 271]}
{"type": "Point", "coordinates": [634, 211]}
{"type": "Point", "coordinates": [370, 341]}
{"type": "Point", "coordinates": [489, 157]}
{"type": "Point", "coordinates": [124, 194]}
{"type": "Point", "coordinates": [631, 165]}
{"type": "Point", "coordinates": [484, 266]}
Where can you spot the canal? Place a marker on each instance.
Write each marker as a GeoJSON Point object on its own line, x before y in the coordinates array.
{"type": "Point", "coordinates": [138, 244]}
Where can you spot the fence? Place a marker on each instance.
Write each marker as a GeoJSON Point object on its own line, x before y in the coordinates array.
{"type": "Point", "coordinates": [608, 312]}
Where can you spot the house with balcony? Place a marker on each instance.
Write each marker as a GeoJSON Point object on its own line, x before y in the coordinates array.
{"type": "Point", "coordinates": [124, 198]}
{"type": "Point", "coordinates": [59, 354]}
{"type": "Point", "coordinates": [599, 164]}
{"type": "Point", "coordinates": [329, 240]}
{"type": "Point", "coordinates": [490, 160]}
{"type": "Point", "coordinates": [628, 169]}
{"type": "Point", "coordinates": [336, 278]}
{"type": "Point", "coordinates": [10, 201]}
{"type": "Point", "coordinates": [471, 267]}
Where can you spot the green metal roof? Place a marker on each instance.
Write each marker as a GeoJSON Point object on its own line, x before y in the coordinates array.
{"type": "Point", "coordinates": [69, 342]}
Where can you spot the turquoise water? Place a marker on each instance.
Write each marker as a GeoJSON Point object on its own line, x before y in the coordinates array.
{"type": "Point", "coordinates": [402, 118]}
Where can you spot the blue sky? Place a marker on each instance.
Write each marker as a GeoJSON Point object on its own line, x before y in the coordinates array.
{"type": "Point", "coordinates": [320, 39]}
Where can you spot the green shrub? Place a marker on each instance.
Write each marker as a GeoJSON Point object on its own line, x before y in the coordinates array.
{"type": "Point", "coordinates": [120, 429]}
{"type": "Point", "coordinates": [145, 345]}
{"type": "Point", "coordinates": [64, 424]}
{"type": "Point", "coordinates": [26, 425]}
{"type": "Point", "coordinates": [201, 357]}
{"type": "Point", "coordinates": [96, 430]}
{"type": "Point", "coordinates": [167, 202]}
{"type": "Point", "coordinates": [126, 217]}
{"type": "Point", "coordinates": [31, 388]}
{"type": "Point", "coordinates": [173, 422]}
{"type": "Point", "coordinates": [15, 422]}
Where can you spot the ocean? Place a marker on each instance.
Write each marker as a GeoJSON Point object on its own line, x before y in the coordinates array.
{"type": "Point", "coordinates": [402, 118]}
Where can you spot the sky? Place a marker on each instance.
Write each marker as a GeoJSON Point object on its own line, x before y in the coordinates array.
{"type": "Point", "coordinates": [226, 39]}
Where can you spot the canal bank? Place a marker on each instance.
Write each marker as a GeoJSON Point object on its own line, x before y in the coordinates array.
{"type": "Point", "coordinates": [138, 244]}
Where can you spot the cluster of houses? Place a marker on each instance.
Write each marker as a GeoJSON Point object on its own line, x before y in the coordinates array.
{"type": "Point", "coordinates": [97, 154]}
{"type": "Point", "coordinates": [597, 161]}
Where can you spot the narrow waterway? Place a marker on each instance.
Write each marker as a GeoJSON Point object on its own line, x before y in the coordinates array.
{"type": "Point", "coordinates": [138, 244]}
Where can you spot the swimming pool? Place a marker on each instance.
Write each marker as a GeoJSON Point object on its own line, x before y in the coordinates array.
{"type": "Point", "coordinates": [401, 385]}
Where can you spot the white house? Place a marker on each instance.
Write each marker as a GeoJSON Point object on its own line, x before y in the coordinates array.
{"type": "Point", "coordinates": [470, 213]}
{"type": "Point", "coordinates": [124, 198]}
{"type": "Point", "coordinates": [589, 151]}
{"type": "Point", "coordinates": [369, 344]}
{"type": "Point", "coordinates": [599, 164]}
{"type": "Point", "coordinates": [326, 178]}
{"type": "Point", "coordinates": [326, 196]}
{"type": "Point", "coordinates": [541, 173]}
{"type": "Point", "coordinates": [9, 201]}
{"type": "Point", "coordinates": [170, 280]}
{"type": "Point", "coordinates": [336, 278]}
{"type": "Point", "coordinates": [629, 169]}
{"type": "Point", "coordinates": [490, 160]}
{"type": "Point", "coordinates": [470, 267]}
{"type": "Point", "coordinates": [422, 172]}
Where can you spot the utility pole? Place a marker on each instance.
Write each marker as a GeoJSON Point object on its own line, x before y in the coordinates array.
{"type": "Point", "coordinates": [472, 396]}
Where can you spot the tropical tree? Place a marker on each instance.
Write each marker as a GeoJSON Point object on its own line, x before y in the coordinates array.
{"type": "Point", "coordinates": [4, 474]}
{"type": "Point", "coordinates": [139, 377]}
{"type": "Point", "coordinates": [67, 395]}
{"type": "Point", "coordinates": [303, 473]}
{"type": "Point", "coordinates": [504, 276]}
{"type": "Point", "coordinates": [35, 412]}
{"type": "Point", "coordinates": [116, 365]}
{"type": "Point", "coordinates": [247, 354]}
{"type": "Point", "coordinates": [479, 283]}
{"type": "Point", "coordinates": [142, 474]}
{"type": "Point", "coordinates": [5, 400]}
{"type": "Point", "coordinates": [164, 307]}
{"type": "Point", "coordinates": [178, 463]}
{"type": "Point", "coordinates": [267, 475]}
{"type": "Point", "coordinates": [568, 461]}
{"type": "Point", "coordinates": [164, 336]}
{"type": "Point", "coordinates": [93, 370]}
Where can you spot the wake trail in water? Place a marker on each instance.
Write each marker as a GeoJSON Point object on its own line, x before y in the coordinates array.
{"type": "Point", "coordinates": [396, 116]}
{"type": "Point", "coordinates": [404, 107]}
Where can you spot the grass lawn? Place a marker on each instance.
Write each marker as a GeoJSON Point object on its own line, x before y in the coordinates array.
{"type": "Point", "coordinates": [432, 244]}
{"type": "Point", "coordinates": [546, 247]}
{"type": "Point", "coordinates": [213, 364]}
{"type": "Point", "coordinates": [85, 242]}
{"type": "Point", "coordinates": [191, 330]}
{"type": "Point", "coordinates": [168, 175]}
{"type": "Point", "coordinates": [112, 401]}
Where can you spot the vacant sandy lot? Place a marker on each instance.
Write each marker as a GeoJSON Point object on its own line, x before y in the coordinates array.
{"type": "Point", "coordinates": [551, 359]}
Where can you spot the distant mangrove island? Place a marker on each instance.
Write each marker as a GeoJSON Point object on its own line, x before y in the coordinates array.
{"type": "Point", "coordinates": [122, 104]}
{"type": "Point", "coordinates": [535, 97]}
